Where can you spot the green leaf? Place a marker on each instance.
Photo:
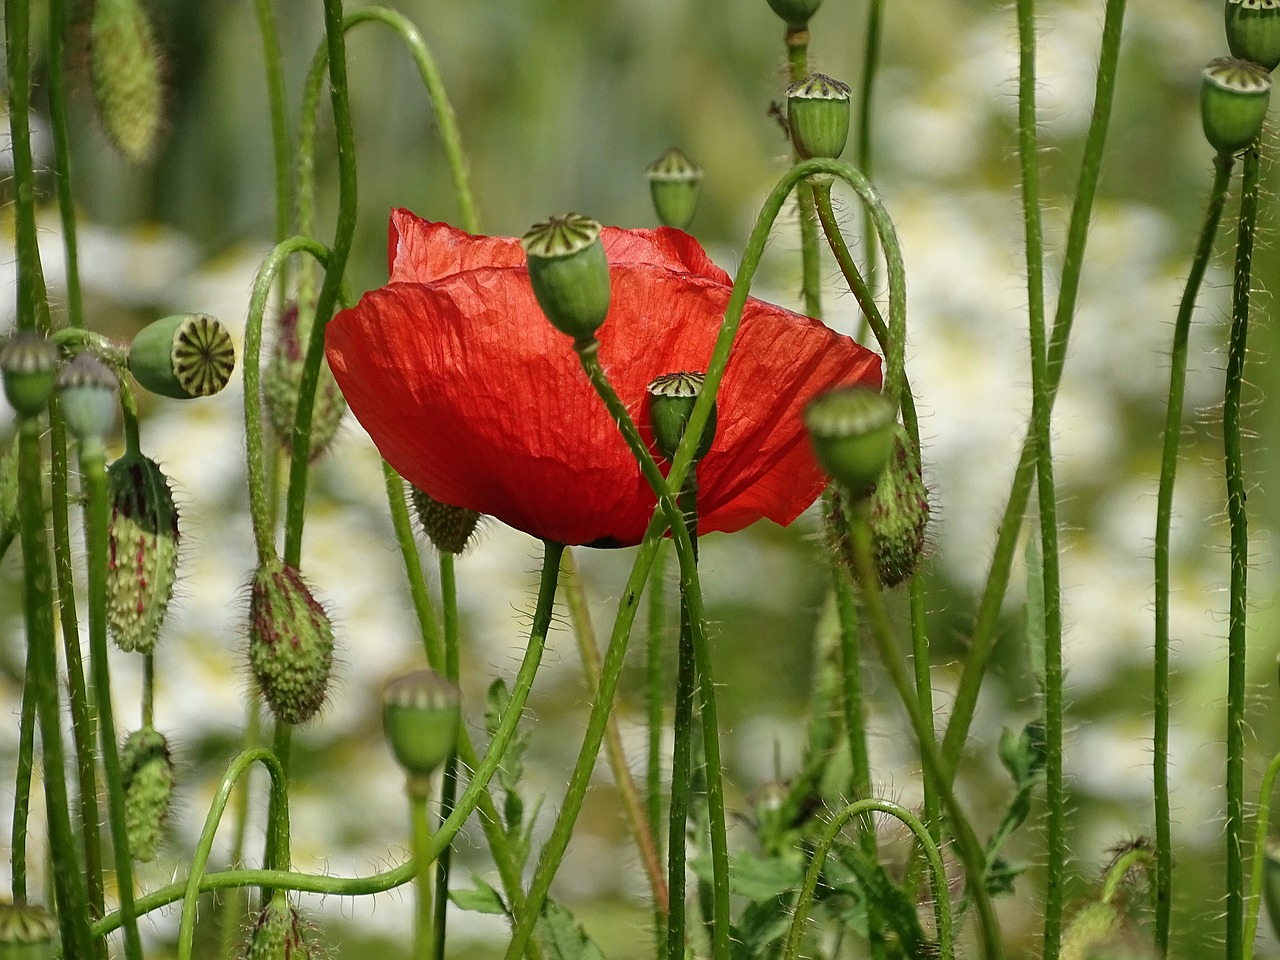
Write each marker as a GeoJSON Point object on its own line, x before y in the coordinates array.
{"type": "Point", "coordinates": [756, 878]}
{"type": "Point", "coordinates": [761, 925]}
{"type": "Point", "coordinates": [562, 936]}
{"type": "Point", "coordinates": [483, 899]}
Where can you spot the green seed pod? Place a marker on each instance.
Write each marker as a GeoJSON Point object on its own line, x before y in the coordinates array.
{"type": "Point", "coordinates": [87, 396]}
{"type": "Point", "coordinates": [420, 717]}
{"type": "Point", "coordinates": [1233, 103]}
{"type": "Point", "coordinates": [674, 183]}
{"type": "Point", "coordinates": [899, 513]}
{"type": "Point", "coordinates": [570, 273]}
{"type": "Point", "coordinates": [853, 431]}
{"type": "Point", "coordinates": [27, 932]}
{"type": "Point", "coordinates": [818, 115]}
{"type": "Point", "coordinates": [671, 400]}
{"type": "Point", "coordinates": [182, 357]}
{"type": "Point", "coordinates": [126, 76]}
{"type": "Point", "coordinates": [448, 528]}
{"type": "Point", "coordinates": [290, 642]}
{"type": "Point", "coordinates": [1253, 31]}
{"type": "Point", "coordinates": [148, 789]}
{"type": "Point", "coordinates": [28, 364]}
{"type": "Point", "coordinates": [796, 13]}
{"type": "Point", "coordinates": [280, 933]}
{"type": "Point", "coordinates": [280, 390]}
{"type": "Point", "coordinates": [142, 552]}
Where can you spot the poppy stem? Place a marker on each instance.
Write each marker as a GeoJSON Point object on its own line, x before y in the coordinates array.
{"type": "Point", "coordinates": [276, 100]}
{"type": "Point", "coordinates": [870, 69]}
{"type": "Point", "coordinates": [655, 704]}
{"type": "Point", "coordinates": [810, 266]}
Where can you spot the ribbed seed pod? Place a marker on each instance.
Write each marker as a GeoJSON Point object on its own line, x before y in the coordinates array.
{"type": "Point", "coordinates": [142, 552]}
{"type": "Point", "coordinates": [290, 642]}
{"type": "Point", "coordinates": [148, 789]}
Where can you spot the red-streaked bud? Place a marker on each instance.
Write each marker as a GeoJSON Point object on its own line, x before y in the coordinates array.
{"type": "Point", "coordinates": [142, 551]}
{"type": "Point", "coordinates": [280, 383]}
{"type": "Point", "coordinates": [290, 642]}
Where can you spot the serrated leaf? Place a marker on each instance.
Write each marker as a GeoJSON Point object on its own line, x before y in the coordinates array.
{"type": "Point", "coordinates": [482, 899]}
{"type": "Point", "coordinates": [562, 936]}
{"type": "Point", "coordinates": [753, 877]}
{"type": "Point", "coordinates": [761, 925]}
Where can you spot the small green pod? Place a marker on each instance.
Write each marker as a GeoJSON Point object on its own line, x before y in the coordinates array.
{"type": "Point", "coordinates": [569, 273]}
{"type": "Point", "coordinates": [183, 356]}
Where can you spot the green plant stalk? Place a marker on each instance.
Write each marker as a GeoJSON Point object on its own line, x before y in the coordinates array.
{"type": "Point", "coordinates": [988, 616]}
{"type": "Point", "coordinates": [1261, 819]}
{"type": "Point", "coordinates": [855, 724]}
{"type": "Point", "coordinates": [30, 286]}
{"type": "Point", "coordinates": [22, 788]}
{"type": "Point", "coordinates": [870, 68]}
{"type": "Point", "coordinates": [449, 778]}
{"type": "Point", "coordinates": [624, 783]}
{"type": "Point", "coordinates": [419, 791]}
{"type": "Point", "coordinates": [191, 887]}
{"type": "Point", "coordinates": [655, 712]}
{"type": "Point", "coordinates": [233, 903]}
{"type": "Point", "coordinates": [678, 802]}
{"type": "Point", "coordinates": [924, 697]}
{"type": "Point", "coordinates": [810, 266]}
{"type": "Point", "coordinates": [42, 680]}
{"type": "Point", "coordinates": [937, 873]}
{"type": "Point", "coordinates": [97, 512]}
{"type": "Point", "coordinates": [1164, 516]}
{"type": "Point", "coordinates": [62, 161]}
{"type": "Point", "coordinates": [1238, 518]}
{"type": "Point", "coordinates": [278, 107]}
{"type": "Point", "coordinates": [1138, 856]}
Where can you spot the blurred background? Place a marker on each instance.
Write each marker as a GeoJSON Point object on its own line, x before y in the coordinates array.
{"type": "Point", "coordinates": [561, 104]}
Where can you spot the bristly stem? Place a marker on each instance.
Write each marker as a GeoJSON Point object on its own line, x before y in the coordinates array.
{"type": "Point", "coordinates": [1238, 518]}
{"type": "Point", "coordinates": [1222, 164]}
{"type": "Point", "coordinates": [22, 788]}
{"type": "Point", "coordinates": [678, 801]}
{"type": "Point", "coordinates": [424, 939]}
{"type": "Point", "coordinates": [797, 41]}
{"type": "Point", "coordinates": [866, 96]}
{"type": "Point", "coordinates": [278, 105]}
{"type": "Point", "coordinates": [62, 160]}
{"type": "Point", "coordinates": [449, 778]}
{"type": "Point", "coordinates": [655, 713]}
{"type": "Point", "coordinates": [1261, 818]}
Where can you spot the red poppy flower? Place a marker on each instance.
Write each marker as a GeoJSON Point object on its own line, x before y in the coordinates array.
{"type": "Point", "coordinates": [473, 397]}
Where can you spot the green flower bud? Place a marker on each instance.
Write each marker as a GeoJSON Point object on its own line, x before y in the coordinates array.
{"type": "Point", "coordinates": [674, 182]}
{"type": "Point", "coordinates": [853, 431]}
{"type": "Point", "coordinates": [148, 789]}
{"type": "Point", "coordinates": [1233, 103]}
{"type": "Point", "coordinates": [126, 76]}
{"type": "Point", "coordinates": [1253, 31]}
{"type": "Point", "coordinates": [27, 932]}
{"type": "Point", "coordinates": [28, 364]}
{"type": "Point", "coordinates": [671, 400]}
{"type": "Point", "coordinates": [1095, 927]}
{"type": "Point", "coordinates": [280, 390]}
{"type": "Point", "coordinates": [570, 273]}
{"type": "Point", "coordinates": [142, 552]}
{"type": "Point", "coordinates": [899, 514]}
{"type": "Point", "coordinates": [795, 13]}
{"type": "Point", "coordinates": [420, 717]}
{"type": "Point", "coordinates": [280, 933]}
{"type": "Point", "coordinates": [290, 642]}
{"type": "Point", "coordinates": [87, 396]}
{"type": "Point", "coordinates": [818, 115]}
{"type": "Point", "coordinates": [184, 356]}
{"type": "Point", "coordinates": [448, 528]}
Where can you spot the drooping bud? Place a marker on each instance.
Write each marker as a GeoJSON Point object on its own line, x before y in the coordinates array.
{"type": "Point", "coordinates": [126, 76]}
{"type": "Point", "coordinates": [671, 400]}
{"type": "Point", "coordinates": [796, 13]}
{"type": "Point", "coordinates": [280, 390]}
{"type": "Point", "coordinates": [87, 396]}
{"type": "Point", "coordinates": [818, 115]}
{"type": "Point", "coordinates": [1233, 103]}
{"type": "Point", "coordinates": [27, 932]}
{"type": "Point", "coordinates": [28, 364]}
{"type": "Point", "coordinates": [448, 528]}
{"type": "Point", "coordinates": [142, 551]}
{"type": "Point", "coordinates": [674, 183]}
{"type": "Point", "coordinates": [184, 356]}
{"type": "Point", "coordinates": [1253, 31]}
{"type": "Point", "coordinates": [852, 430]}
{"type": "Point", "coordinates": [148, 789]}
{"type": "Point", "coordinates": [280, 933]}
{"type": "Point", "coordinates": [290, 642]}
{"type": "Point", "coordinates": [570, 273]}
{"type": "Point", "coordinates": [899, 513]}
{"type": "Point", "coordinates": [1094, 928]}
{"type": "Point", "coordinates": [420, 716]}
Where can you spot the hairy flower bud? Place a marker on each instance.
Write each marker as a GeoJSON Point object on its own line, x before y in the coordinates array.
{"type": "Point", "coordinates": [290, 642]}
{"type": "Point", "coordinates": [28, 364]}
{"type": "Point", "coordinates": [126, 76]}
{"type": "Point", "coordinates": [570, 273]}
{"type": "Point", "coordinates": [674, 183]}
{"type": "Point", "coordinates": [420, 717]}
{"type": "Point", "coordinates": [280, 933]}
{"type": "Point", "coordinates": [280, 383]}
{"type": "Point", "coordinates": [184, 356]}
{"type": "Point", "coordinates": [142, 551]}
{"type": "Point", "coordinates": [1253, 31]}
{"type": "Point", "coordinates": [148, 789]}
{"type": "Point", "coordinates": [899, 514]}
{"type": "Point", "coordinates": [1233, 103]}
{"type": "Point", "coordinates": [27, 932]}
{"type": "Point", "coordinates": [448, 528]}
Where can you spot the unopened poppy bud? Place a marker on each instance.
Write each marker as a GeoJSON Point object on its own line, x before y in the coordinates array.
{"type": "Point", "coordinates": [290, 642]}
{"type": "Point", "coordinates": [448, 528]}
{"type": "Point", "coordinates": [899, 513]}
{"type": "Point", "coordinates": [126, 76]}
{"type": "Point", "coordinates": [1233, 103]}
{"type": "Point", "coordinates": [280, 390]}
{"type": "Point", "coordinates": [420, 716]}
{"type": "Point", "coordinates": [1092, 930]}
{"type": "Point", "coordinates": [852, 430]}
{"type": "Point", "coordinates": [28, 364]}
{"type": "Point", "coordinates": [280, 933]}
{"type": "Point", "coordinates": [1253, 31]}
{"type": "Point", "coordinates": [87, 397]}
{"type": "Point", "coordinates": [27, 932]}
{"type": "Point", "coordinates": [818, 115]}
{"type": "Point", "coordinates": [147, 772]}
{"type": "Point", "coordinates": [142, 551]}
{"type": "Point", "coordinates": [674, 183]}
{"type": "Point", "coordinates": [570, 273]}
{"type": "Point", "coordinates": [184, 356]}
{"type": "Point", "coordinates": [796, 13]}
{"type": "Point", "coordinates": [671, 400]}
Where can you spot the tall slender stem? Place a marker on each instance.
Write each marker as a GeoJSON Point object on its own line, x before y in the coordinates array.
{"type": "Point", "coordinates": [424, 940]}
{"type": "Point", "coordinates": [866, 96]}
{"type": "Point", "coordinates": [278, 107]}
{"type": "Point", "coordinates": [62, 160]}
{"type": "Point", "coordinates": [678, 809]}
{"type": "Point", "coordinates": [797, 41]}
{"type": "Point", "coordinates": [22, 787]}
{"type": "Point", "coordinates": [449, 778]}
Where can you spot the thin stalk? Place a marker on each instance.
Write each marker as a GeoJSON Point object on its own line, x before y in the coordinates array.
{"type": "Point", "coordinates": [797, 41]}
{"type": "Point", "coordinates": [30, 285]}
{"type": "Point", "coordinates": [278, 106]}
{"type": "Point", "coordinates": [419, 791]}
{"type": "Point", "coordinates": [678, 806]}
{"type": "Point", "coordinates": [1164, 515]}
{"type": "Point", "coordinates": [62, 161]}
{"type": "Point", "coordinates": [449, 778]}
{"type": "Point", "coordinates": [1238, 518]}
{"type": "Point", "coordinates": [924, 696]}
{"type": "Point", "coordinates": [655, 713]}
{"type": "Point", "coordinates": [148, 689]}
{"type": "Point", "coordinates": [22, 788]}
{"type": "Point", "coordinates": [855, 723]}
{"type": "Point", "coordinates": [233, 904]}
{"type": "Point", "coordinates": [866, 96]}
{"type": "Point", "coordinates": [1259, 854]}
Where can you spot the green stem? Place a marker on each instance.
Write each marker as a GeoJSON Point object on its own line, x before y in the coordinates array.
{"type": "Point", "coordinates": [870, 68]}
{"type": "Point", "coordinates": [97, 513]}
{"type": "Point", "coordinates": [62, 161]}
{"type": "Point", "coordinates": [937, 873]}
{"type": "Point", "coordinates": [449, 779]}
{"type": "Point", "coordinates": [797, 41]}
{"type": "Point", "coordinates": [1164, 515]}
{"type": "Point", "coordinates": [1259, 854]}
{"type": "Point", "coordinates": [148, 689]}
{"type": "Point", "coordinates": [1239, 522]}
{"type": "Point", "coordinates": [678, 809]}
{"type": "Point", "coordinates": [30, 286]}
{"type": "Point", "coordinates": [233, 902]}
{"type": "Point", "coordinates": [924, 697]}
{"type": "Point", "coordinates": [419, 791]}
{"type": "Point", "coordinates": [22, 788]}
{"type": "Point", "coordinates": [279, 124]}
{"type": "Point", "coordinates": [655, 713]}
{"type": "Point", "coordinates": [851, 673]}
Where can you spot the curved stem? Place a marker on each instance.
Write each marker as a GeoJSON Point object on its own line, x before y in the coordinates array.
{"type": "Point", "coordinates": [937, 873]}
{"type": "Point", "coordinates": [870, 67]}
{"type": "Point", "coordinates": [1164, 515]}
